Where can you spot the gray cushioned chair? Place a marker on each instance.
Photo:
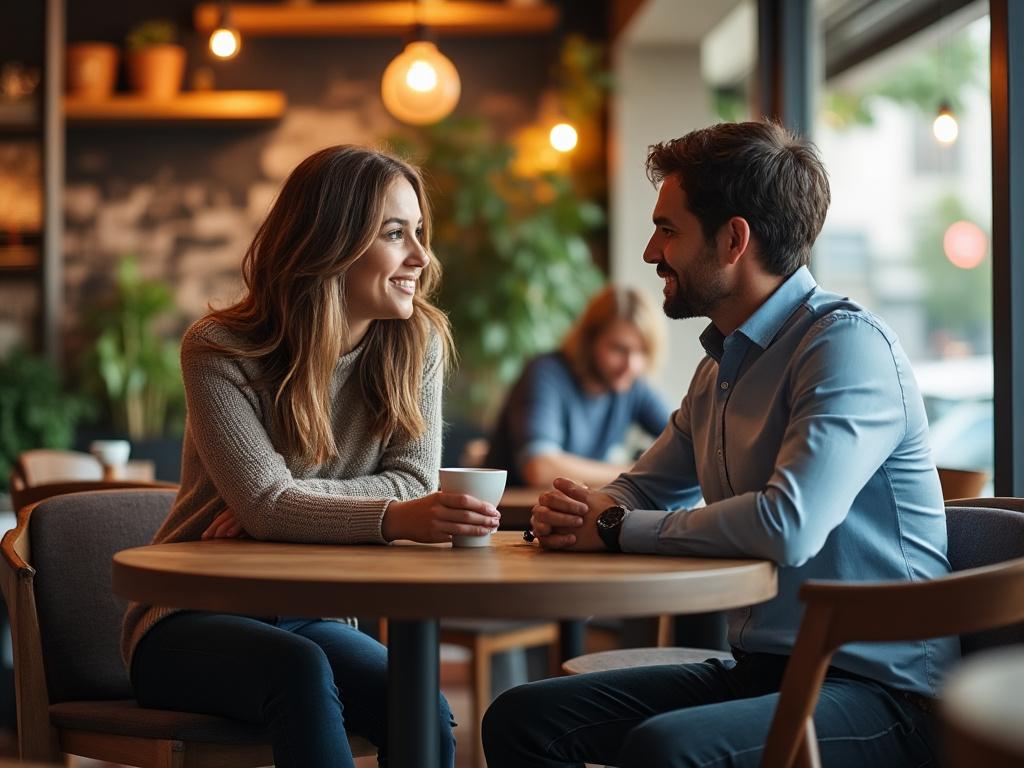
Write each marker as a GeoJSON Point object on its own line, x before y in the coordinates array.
{"type": "Point", "coordinates": [73, 693]}
{"type": "Point", "coordinates": [982, 601]}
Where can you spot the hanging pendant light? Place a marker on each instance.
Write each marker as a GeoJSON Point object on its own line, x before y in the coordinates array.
{"type": "Point", "coordinates": [563, 137]}
{"type": "Point", "coordinates": [421, 85]}
{"type": "Point", "coordinates": [225, 40]}
{"type": "Point", "coordinates": [945, 127]}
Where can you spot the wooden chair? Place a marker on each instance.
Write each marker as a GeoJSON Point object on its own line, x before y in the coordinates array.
{"type": "Point", "coordinates": [484, 638]}
{"type": "Point", "coordinates": [44, 465]}
{"type": "Point", "coordinates": [978, 601]}
{"type": "Point", "coordinates": [961, 483]}
{"type": "Point", "coordinates": [73, 693]}
{"type": "Point", "coordinates": [22, 497]}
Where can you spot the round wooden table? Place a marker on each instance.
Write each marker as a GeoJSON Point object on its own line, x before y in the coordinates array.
{"type": "Point", "coordinates": [414, 585]}
{"type": "Point", "coordinates": [983, 709]}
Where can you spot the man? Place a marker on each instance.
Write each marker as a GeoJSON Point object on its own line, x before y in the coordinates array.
{"type": "Point", "coordinates": [804, 431]}
{"type": "Point", "coordinates": [571, 409]}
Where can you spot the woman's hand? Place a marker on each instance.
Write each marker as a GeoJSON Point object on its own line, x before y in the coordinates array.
{"type": "Point", "coordinates": [437, 517]}
{"type": "Point", "coordinates": [224, 526]}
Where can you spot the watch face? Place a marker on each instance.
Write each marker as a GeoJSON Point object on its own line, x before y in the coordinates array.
{"type": "Point", "coordinates": [611, 517]}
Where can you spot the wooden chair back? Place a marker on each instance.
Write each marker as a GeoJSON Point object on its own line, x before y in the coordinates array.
{"type": "Point", "coordinates": [44, 465]}
{"type": "Point", "coordinates": [22, 497]}
{"type": "Point", "coordinates": [75, 672]}
{"type": "Point", "coordinates": [37, 738]}
{"type": "Point", "coordinates": [963, 603]}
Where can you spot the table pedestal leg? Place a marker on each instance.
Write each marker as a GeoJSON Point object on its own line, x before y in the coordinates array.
{"type": "Point", "coordinates": [413, 689]}
{"type": "Point", "coordinates": [571, 638]}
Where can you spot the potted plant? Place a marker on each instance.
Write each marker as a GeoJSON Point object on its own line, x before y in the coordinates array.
{"type": "Point", "coordinates": [135, 367]}
{"type": "Point", "coordinates": [517, 267]}
{"type": "Point", "coordinates": [91, 69]}
{"type": "Point", "coordinates": [35, 409]}
{"type": "Point", "coordinates": [517, 263]}
{"type": "Point", "coordinates": [156, 63]}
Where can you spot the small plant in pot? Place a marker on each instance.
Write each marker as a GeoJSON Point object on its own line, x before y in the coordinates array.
{"type": "Point", "coordinates": [36, 411]}
{"type": "Point", "coordinates": [135, 365]}
{"type": "Point", "coordinates": [156, 63]}
{"type": "Point", "coordinates": [91, 69]}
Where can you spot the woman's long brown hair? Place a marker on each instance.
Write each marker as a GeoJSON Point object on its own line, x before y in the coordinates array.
{"type": "Point", "coordinates": [293, 317]}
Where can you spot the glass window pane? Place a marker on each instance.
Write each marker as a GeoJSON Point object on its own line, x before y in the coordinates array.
{"type": "Point", "coordinates": [908, 233]}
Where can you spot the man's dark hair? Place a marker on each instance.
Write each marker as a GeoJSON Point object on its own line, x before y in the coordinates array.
{"type": "Point", "coordinates": [757, 170]}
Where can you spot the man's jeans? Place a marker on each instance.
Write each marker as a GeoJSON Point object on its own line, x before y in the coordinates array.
{"type": "Point", "coordinates": [308, 680]}
{"type": "Point", "coordinates": [709, 714]}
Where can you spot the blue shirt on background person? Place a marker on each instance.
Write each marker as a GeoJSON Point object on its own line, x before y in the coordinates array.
{"type": "Point", "coordinates": [570, 409]}
{"type": "Point", "coordinates": [548, 412]}
{"type": "Point", "coordinates": [809, 374]}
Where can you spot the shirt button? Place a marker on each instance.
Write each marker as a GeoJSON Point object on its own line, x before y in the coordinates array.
{"type": "Point", "coordinates": [719, 452]}
{"type": "Point", "coordinates": [724, 385]}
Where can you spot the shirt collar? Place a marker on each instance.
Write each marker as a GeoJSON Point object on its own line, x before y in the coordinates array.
{"type": "Point", "coordinates": [762, 326]}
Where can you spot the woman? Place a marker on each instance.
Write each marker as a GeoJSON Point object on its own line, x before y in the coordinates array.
{"type": "Point", "coordinates": [313, 416]}
{"type": "Point", "coordinates": [571, 409]}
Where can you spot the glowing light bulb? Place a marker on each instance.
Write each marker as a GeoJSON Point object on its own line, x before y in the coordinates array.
{"type": "Point", "coordinates": [563, 137]}
{"type": "Point", "coordinates": [225, 43]}
{"type": "Point", "coordinates": [421, 77]}
{"type": "Point", "coordinates": [945, 127]}
{"type": "Point", "coordinates": [421, 85]}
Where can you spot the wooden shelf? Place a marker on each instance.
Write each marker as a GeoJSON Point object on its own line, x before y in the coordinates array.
{"type": "Point", "coordinates": [224, 106]}
{"type": "Point", "coordinates": [19, 258]}
{"type": "Point", "coordinates": [21, 115]}
{"type": "Point", "coordinates": [454, 17]}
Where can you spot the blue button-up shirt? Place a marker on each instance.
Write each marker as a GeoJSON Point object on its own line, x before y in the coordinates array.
{"type": "Point", "coordinates": [805, 433]}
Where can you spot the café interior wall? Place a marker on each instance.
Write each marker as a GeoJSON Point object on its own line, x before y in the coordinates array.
{"type": "Point", "coordinates": [186, 199]}
{"type": "Point", "coordinates": [659, 95]}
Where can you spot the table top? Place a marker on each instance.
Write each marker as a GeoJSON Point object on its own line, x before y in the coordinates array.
{"type": "Point", "coordinates": [509, 579]}
{"type": "Point", "coordinates": [983, 698]}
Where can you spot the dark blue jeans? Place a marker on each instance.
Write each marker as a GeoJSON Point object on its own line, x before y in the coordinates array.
{"type": "Point", "coordinates": [712, 714]}
{"type": "Point", "coordinates": [307, 680]}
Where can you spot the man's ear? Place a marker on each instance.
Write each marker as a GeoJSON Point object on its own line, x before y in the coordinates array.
{"type": "Point", "coordinates": [734, 239]}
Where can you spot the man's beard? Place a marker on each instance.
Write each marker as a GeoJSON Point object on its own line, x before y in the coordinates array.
{"type": "Point", "coordinates": [701, 293]}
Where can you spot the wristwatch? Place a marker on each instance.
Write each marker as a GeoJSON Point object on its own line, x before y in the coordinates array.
{"type": "Point", "coordinates": [609, 526]}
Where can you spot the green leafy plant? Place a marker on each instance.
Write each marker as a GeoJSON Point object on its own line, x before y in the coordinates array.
{"type": "Point", "coordinates": [35, 410]}
{"type": "Point", "coordinates": [517, 264]}
{"type": "Point", "coordinates": [137, 367]}
{"type": "Point", "coordinates": [151, 32]}
{"type": "Point", "coordinates": [923, 81]}
{"type": "Point", "coordinates": [517, 267]}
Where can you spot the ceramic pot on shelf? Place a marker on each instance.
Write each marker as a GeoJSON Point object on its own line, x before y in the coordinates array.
{"type": "Point", "coordinates": [91, 70]}
{"type": "Point", "coordinates": [156, 71]}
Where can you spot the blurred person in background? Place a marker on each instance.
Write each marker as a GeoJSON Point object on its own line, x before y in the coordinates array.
{"type": "Point", "coordinates": [571, 410]}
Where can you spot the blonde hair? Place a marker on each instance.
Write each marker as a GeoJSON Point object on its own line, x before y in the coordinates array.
{"type": "Point", "coordinates": [293, 317]}
{"type": "Point", "coordinates": [612, 304]}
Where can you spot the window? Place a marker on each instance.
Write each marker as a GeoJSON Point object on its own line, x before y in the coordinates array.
{"type": "Point", "coordinates": [908, 233]}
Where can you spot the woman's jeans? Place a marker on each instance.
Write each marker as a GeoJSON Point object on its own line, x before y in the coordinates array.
{"type": "Point", "coordinates": [712, 715]}
{"type": "Point", "coordinates": [309, 681]}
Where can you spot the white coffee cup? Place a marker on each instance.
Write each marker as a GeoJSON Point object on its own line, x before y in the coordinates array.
{"type": "Point", "coordinates": [485, 484]}
{"type": "Point", "coordinates": [111, 453]}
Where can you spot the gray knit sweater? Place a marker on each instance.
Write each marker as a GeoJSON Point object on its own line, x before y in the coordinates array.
{"type": "Point", "coordinates": [230, 459]}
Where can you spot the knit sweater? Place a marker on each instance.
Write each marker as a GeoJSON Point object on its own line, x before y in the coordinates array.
{"type": "Point", "coordinates": [232, 459]}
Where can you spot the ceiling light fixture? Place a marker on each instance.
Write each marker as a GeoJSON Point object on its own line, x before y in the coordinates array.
{"type": "Point", "coordinates": [225, 40]}
{"type": "Point", "coordinates": [945, 127]}
{"type": "Point", "coordinates": [563, 137]}
{"type": "Point", "coordinates": [421, 85]}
